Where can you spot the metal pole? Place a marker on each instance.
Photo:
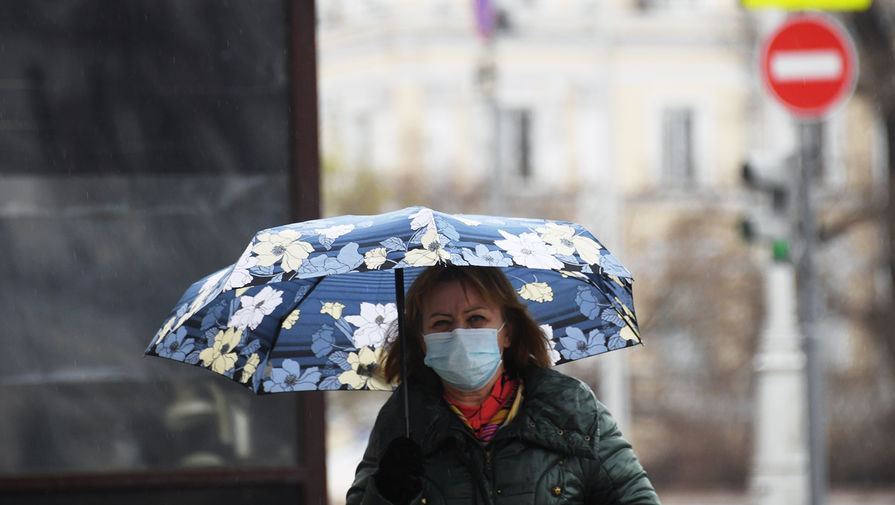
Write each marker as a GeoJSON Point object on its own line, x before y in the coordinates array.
{"type": "Point", "coordinates": [486, 75]}
{"type": "Point", "coordinates": [497, 195]}
{"type": "Point", "coordinates": [810, 163]}
{"type": "Point", "coordinates": [488, 83]}
{"type": "Point", "coordinates": [399, 302]}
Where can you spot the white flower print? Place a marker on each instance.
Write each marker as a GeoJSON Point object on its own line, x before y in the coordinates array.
{"type": "Point", "coordinates": [211, 282]}
{"type": "Point", "coordinates": [336, 231]}
{"type": "Point", "coordinates": [628, 334]}
{"type": "Point", "coordinates": [163, 332]}
{"type": "Point", "coordinates": [365, 371]}
{"type": "Point", "coordinates": [540, 292]}
{"type": "Point", "coordinates": [220, 357]}
{"type": "Point", "coordinates": [375, 258]}
{"type": "Point", "coordinates": [430, 254]}
{"type": "Point", "coordinates": [484, 257]}
{"type": "Point", "coordinates": [529, 250]}
{"type": "Point", "coordinates": [423, 217]}
{"type": "Point", "coordinates": [334, 309]}
{"type": "Point", "coordinates": [372, 323]}
{"type": "Point", "coordinates": [248, 370]}
{"type": "Point", "coordinates": [240, 275]}
{"type": "Point", "coordinates": [566, 243]}
{"type": "Point", "coordinates": [467, 221]}
{"type": "Point", "coordinates": [291, 319]}
{"type": "Point", "coordinates": [588, 249]}
{"type": "Point", "coordinates": [283, 245]}
{"type": "Point", "coordinates": [552, 353]}
{"type": "Point", "coordinates": [559, 236]}
{"type": "Point", "coordinates": [207, 291]}
{"type": "Point", "coordinates": [254, 308]}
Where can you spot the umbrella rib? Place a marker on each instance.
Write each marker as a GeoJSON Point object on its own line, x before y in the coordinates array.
{"type": "Point", "coordinates": [273, 342]}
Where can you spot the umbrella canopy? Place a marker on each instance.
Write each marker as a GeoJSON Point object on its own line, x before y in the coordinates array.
{"type": "Point", "coordinates": [308, 305]}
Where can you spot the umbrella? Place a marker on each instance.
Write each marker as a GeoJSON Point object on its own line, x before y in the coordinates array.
{"type": "Point", "coordinates": [308, 306]}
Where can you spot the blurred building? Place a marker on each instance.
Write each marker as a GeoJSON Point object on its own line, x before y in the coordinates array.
{"type": "Point", "coordinates": [634, 118]}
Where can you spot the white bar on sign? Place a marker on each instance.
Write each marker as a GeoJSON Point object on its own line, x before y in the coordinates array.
{"type": "Point", "coordinates": [812, 65]}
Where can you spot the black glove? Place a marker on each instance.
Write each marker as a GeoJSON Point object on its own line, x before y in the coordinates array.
{"type": "Point", "coordinates": [399, 477]}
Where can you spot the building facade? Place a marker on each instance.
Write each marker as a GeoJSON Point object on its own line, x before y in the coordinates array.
{"type": "Point", "coordinates": [633, 117]}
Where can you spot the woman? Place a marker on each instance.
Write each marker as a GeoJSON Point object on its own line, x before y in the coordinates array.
{"type": "Point", "coordinates": [490, 421]}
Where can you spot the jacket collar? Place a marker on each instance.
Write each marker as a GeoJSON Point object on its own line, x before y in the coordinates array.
{"type": "Point", "coordinates": [543, 419]}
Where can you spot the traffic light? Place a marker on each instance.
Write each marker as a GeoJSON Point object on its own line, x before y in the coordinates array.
{"type": "Point", "coordinates": [777, 190]}
{"type": "Point", "coordinates": [767, 219]}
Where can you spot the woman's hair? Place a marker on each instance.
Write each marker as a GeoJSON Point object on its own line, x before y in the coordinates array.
{"type": "Point", "coordinates": [528, 344]}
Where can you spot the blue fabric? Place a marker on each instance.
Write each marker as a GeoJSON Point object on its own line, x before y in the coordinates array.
{"type": "Point", "coordinates": [308, 305]}
{"type": "Point", "coordinates": [466, 358]}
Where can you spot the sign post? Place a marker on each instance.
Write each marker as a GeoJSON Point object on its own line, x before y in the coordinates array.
{"type": "Point", "coordinates": [809, 66]}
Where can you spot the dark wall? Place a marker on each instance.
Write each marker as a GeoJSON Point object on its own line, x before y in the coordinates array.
{"type": "Point", "coordinates": [139, 86]}
{"type": "Point", "coordinates": [142, 143]}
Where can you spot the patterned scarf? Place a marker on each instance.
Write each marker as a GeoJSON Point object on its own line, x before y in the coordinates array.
{"type": "Point", "coordinates": [500, 407]}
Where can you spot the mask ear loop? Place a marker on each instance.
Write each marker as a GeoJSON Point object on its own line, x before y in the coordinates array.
{"type": "Point", "coordinates": [499, 330]}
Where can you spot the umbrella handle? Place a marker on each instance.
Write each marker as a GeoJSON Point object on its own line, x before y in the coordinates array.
{"type": "Point", "coordinates": [399, 301]}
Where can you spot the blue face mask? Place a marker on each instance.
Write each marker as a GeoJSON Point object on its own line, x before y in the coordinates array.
{"type": "Point", "coordinates": [465, 358]}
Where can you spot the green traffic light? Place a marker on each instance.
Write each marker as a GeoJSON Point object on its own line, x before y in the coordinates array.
{"type": "Point", "coordinates": [780, 249]}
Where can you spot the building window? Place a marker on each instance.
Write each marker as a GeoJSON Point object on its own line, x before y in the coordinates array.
{"type": "Point", "coordinates": [677, 147]}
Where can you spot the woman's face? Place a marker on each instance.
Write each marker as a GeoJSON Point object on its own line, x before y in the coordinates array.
{"type": "Point", "coordinates": [454, 305]}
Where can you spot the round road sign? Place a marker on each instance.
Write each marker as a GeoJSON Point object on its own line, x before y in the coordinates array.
{"type": "Point", "coordinates": [809, 65]}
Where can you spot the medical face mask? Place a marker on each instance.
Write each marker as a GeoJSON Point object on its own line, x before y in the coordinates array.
{"type": "Point", "coordinates": [465, 358]}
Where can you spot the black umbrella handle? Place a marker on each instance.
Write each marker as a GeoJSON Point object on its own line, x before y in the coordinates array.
{"type": "Point", "coordinates": [399, 301]}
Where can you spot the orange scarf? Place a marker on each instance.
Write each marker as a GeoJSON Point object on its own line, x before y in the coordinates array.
{"type": "Point", "coordinates": [485, 419]}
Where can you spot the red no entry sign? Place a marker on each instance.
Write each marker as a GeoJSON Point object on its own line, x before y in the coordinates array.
{"type": "Point", "coordinates": [808, 64]}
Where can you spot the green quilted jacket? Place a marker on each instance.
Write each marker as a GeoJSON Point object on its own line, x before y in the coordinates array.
{"type": "Point", "coordinates": [563, 447]}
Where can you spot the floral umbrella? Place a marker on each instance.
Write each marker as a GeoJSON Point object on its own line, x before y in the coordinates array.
{"type": "Point", "coordinates": [307, 306]}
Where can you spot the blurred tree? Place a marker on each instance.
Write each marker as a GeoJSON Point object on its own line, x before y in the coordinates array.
{"type": "Point", "coordinates": [351, 190]}
{"type": "Point", "coordinates": [700, 303]}
{"type": "Point", "coordinates": [873, 34]}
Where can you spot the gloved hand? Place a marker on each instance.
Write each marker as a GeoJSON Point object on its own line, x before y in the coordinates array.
{"type": "Point", "coordinates": [399, 477]}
